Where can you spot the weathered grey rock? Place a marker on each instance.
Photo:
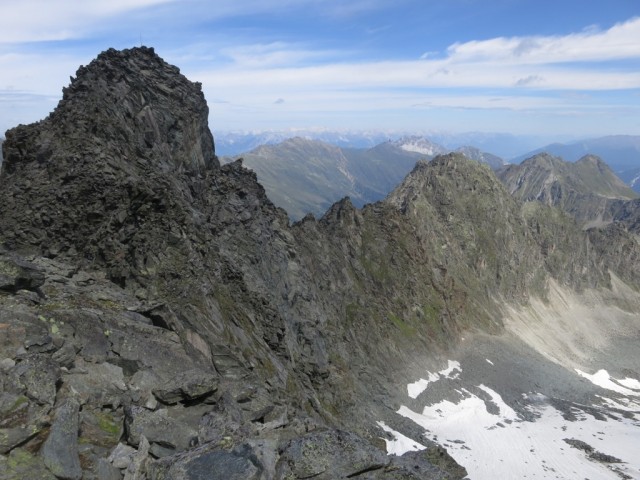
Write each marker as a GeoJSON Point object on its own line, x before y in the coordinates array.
{"type": "Point", "coordinates": [12, 437]}
{"type": "Point", "coordinates": [102, 384]}
{"type": "Point", "coordinates": [434, 463]}
{"type": "Point", "coordinates": [16, 274]}
{"type": "Point", "coordinates": [65, 356]}
{"type": "Point", "coordinates": [158, 427]}
{"type": "Point", "coordinates": [106, 471]}
{"type": "Point", "coordinates": [39, 375]}
{"type": "Point", "coordinates": [60, 450]}
{"type": "Point", "coordinates": [22, 465]}
{"type": "Point", "coordinates": [14, 410]}
{"type": "Point", "coordinates": [121, 456]}
{"type": "Point", "coordinates": [138, 466]}
{"type": "Point", "coordinates": [187, 386]}
{"type": "Point", "coordinates": [329, 455]}
{"type": "Point", "coordinates": [210, 463]}
{"type": "Point", "coordinates": [7, 364]}
{"type": "Point", "coordinates": [103, 428]}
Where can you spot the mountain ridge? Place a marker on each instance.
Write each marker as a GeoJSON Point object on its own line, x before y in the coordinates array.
{"type": "Point", "coordinates": [307, 176]}
{"type": "Point", "coordinates": [158, 303]}
{"type": "Point", "coordinates": [586, 189]}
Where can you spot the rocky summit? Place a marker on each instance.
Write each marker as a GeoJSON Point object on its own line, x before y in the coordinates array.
{"type": "Point", "coordinates": [161, 319]}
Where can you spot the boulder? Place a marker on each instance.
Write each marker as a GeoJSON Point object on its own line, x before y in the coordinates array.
{"type": "Point", "coordinates": [328, 455]}
{"type": "Point", "coordinates": [18, 274]}
{"type": "Point", "coordinates": [158, 427]}
{"type": "Point", "coordinates": [12, 437]}
{"type": "Point", "coordinates": [22, 465]}
{"type": "Point", "coordinates": [38, 374]}
{"type": "Point", "coordinates": [60, 450]}
{"type": "Point", "coordinates": [187, 386]}
{"type": "Point", "coordinates": [210, 462]}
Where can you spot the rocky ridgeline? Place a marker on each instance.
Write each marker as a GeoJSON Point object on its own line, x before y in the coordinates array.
{"type": "Point", "coordinates": [161, 319]}
{"type": "Point", "coordinates": [588, 189]}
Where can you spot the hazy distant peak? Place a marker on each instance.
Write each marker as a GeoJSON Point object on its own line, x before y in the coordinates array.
{"type": "Point", "coordinates": [420, 145]}
{"type": "Point", "coordinates": [475, 153]}
{"type": "Point", "coordinates": [544, 160]}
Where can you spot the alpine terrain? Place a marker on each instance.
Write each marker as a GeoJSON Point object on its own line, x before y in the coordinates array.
{"type": "Point", "coordinates": [307, 176]}
{"type": "Point", "coordinates": [621, 152]}
{"type": "Point", "coordinates": [587, 189]}
{"type": "Point", "coordinates": [160, 318]}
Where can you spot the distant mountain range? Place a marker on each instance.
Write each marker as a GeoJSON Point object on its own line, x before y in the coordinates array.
{"type": "Point", "coordinates": [307, 176]}
{"type": "Point", "coordinates": [502, 144]}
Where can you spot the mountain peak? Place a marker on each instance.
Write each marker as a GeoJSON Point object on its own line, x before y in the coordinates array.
{"type": "Point", "coordinates": [131, 102]}
{"type": "Point", "coordinates": [544, 160]}
{"type": "Point", "coordinates": [585, 189]}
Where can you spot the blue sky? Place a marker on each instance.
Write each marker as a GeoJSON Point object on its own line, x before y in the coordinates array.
{"type": "Point", "coordinates": [517, 66]}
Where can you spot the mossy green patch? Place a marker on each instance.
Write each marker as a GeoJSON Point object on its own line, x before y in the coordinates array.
{"type": "Point", "coordinates": [21, 400]}
{"type": "Point", "coordinates": [108, 425]}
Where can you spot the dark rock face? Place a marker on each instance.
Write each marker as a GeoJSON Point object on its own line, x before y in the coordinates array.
{"type": "Point", "coordinates": [172, 301]}
{"type": "Point", "coordinates": [126, 118]}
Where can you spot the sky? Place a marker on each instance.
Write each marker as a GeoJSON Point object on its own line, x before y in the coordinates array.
{"type": "Point", "coordinates": [540, 67]}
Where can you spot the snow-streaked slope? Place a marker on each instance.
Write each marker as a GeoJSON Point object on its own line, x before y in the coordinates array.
{"type": "Point", "coordinates": [556, 395]}
{"type": "Point", "coordinates": [493, 440]}
{"type": "Point", "coordinates": [420, 145]}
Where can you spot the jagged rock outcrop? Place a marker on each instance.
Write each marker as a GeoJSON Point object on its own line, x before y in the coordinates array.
{"type": "Point", "coordinates": [169, 300]}
{"type": "Point", "coordinates": [588, 189]}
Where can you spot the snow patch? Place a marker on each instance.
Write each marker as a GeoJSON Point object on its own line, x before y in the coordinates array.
{"type": "Point", "coordinates": [419, 148]}
{"type": "Point", "coordinates": [416, 388]}
{"type": "Point", "coordinates": [604, 380]}
{"type": "Point", "coordinates": [624, 404]}
{"type": "Point", "coordinates": [489, 361]}
{"type": "Point", "coordinates": [526, 449]}
{"type": "Point", "coordinates": [452, 372]}
{"type": "Point", "coordinates": [630, 383]}
{"type": "Point", "coordinates": [400, 444]}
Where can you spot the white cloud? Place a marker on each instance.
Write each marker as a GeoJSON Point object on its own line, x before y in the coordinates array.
{"type": "Point", "coordinates": [421, 75]}
{"type": "Point", "coordinates": [619, 42]}
{"type": "Point", "coordinates": [47, 20]}
{"type": "Point", "coordinates": [522, 73]}
{"type": "Point", "coordinates": [568, 62]}
{"type": "Point", "coordinates": [273, 55]}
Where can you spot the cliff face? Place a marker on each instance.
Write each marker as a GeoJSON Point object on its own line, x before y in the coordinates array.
{"type": "Point", "coordinates": [213, 332]}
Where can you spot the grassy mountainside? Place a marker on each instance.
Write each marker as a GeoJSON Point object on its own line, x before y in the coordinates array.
{"type": "Point", "coordinates": [307, 176]}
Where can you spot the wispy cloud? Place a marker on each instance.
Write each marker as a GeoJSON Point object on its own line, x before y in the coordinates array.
{"type": "Point", "coordinates": [570, 62]}
{"type": "Point", "coordinates": [47, 20]}
{"type": "Point", "coordinates": [276, 54]}
{"type": "Point", "coordinates": [255, 69]}
{"type": "Point", "coordinates": [618, 42]}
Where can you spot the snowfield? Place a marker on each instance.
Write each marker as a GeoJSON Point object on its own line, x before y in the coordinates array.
{"type": "Point", "coordinates": [493, 440]}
